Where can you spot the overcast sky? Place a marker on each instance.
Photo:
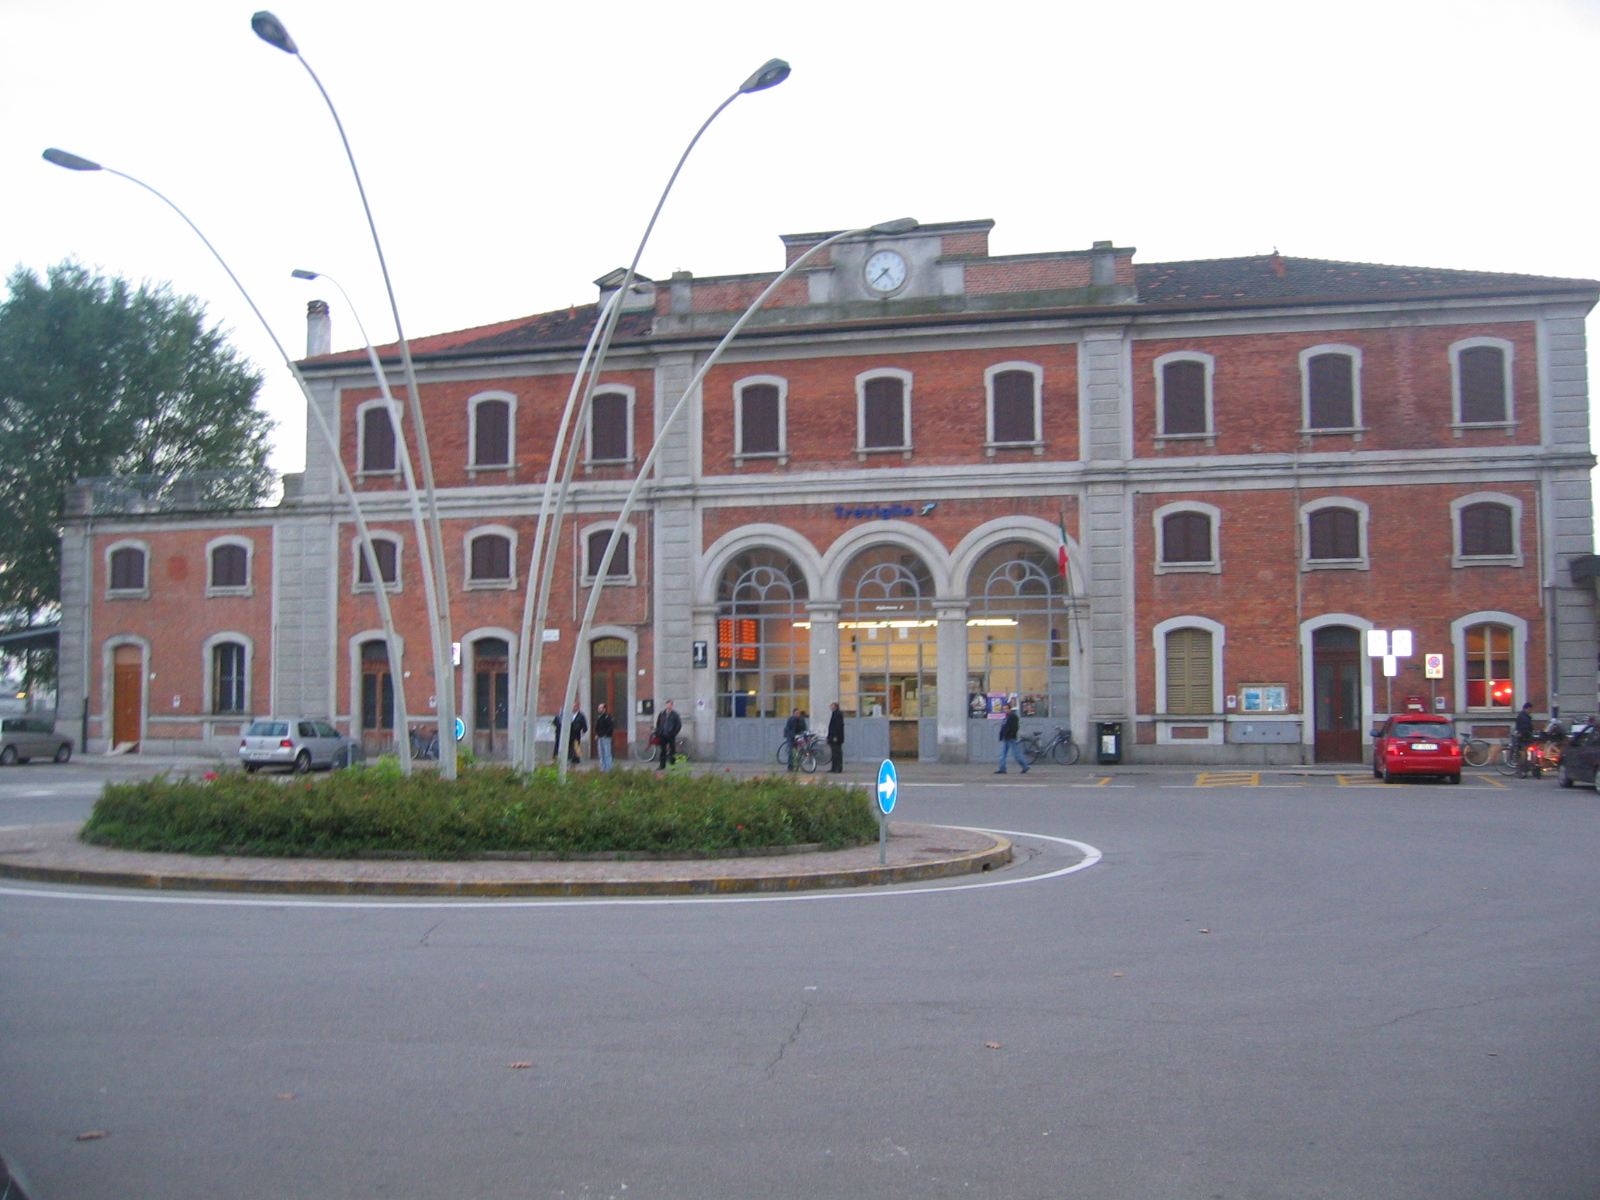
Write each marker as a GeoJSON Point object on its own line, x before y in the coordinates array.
{"type": "Point", "coordinates": [513, 150]}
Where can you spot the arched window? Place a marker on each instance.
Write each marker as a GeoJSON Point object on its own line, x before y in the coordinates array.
{"type": "Point", "coordinates": [1487, 530]}
{"type": "Point", "coordinates": [1483, 383]}
{"type": "Point", "coordinates": [888, 638]}
{"type": "Point", "coordinates": [128, 569]}
{"type": "Point", "coordinates": [884, 418]}
{"type": "Point", "coordinates": [621, 561]}
{"type": "Point", "coordinates": [1014, 407]}
{"type": "Point", "coordinates": [387, 550]}
{"type": "Point", "coordinates": [229, 690]}
{"type": "Point", "coordinates": [1185, 410]}
{"type": "Point", "coordinates": [1487, 654]}
{"type": "Point", "coordinates": [1189, 673]}
{"type": "Point", "coordinates": [230, 566]}
{"type": "Point", "coordinates": [1186, 538]}
{"type": "Point", "coordinates": [763, 637]}
{"type": "Point", "coordinates": [1334, 533]}
{"type": "Point", "coordinates": [491, 694]}
{"type": "Point", "coordinates": [377, 687]}
{"type": "Point", "coordinates": [490, 559]}
{"type": "Point", "coordinates": [610, 427]}
{"type": "Point", "coordinates": [760, 419]}
{"type": "Point", "coordinates": [1018, 640]}
{"type": "Point", "coordinates": [1331, 381]}
{"type": "Point", "coordinates": [491, 432]}
{"type": "Point", "coordinates": [377, 438]}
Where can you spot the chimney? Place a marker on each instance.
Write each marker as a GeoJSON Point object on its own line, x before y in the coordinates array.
{"type": "Point", "coordinates": [319, 328]}
{"type": "Point", "coordinates": [1103, 265]}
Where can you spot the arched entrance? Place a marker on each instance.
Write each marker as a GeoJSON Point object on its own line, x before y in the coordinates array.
{"type": "Point", "coordinates": [127, 696]}
{"type": "Point", "coordinates": [1019, 643]}
{"type": "Point", "coordinates": [763, 652]}
{"type": "Point", "coordinates": [608, 685]}
{"type": "Point", "coordinates": [377, 699]}
{"type": "Point", "coordinates": [888, 646]}
{"type": "Point", "coordinates": [1336, 664]}
{"type": "Point", "coordinates": [491, 696]}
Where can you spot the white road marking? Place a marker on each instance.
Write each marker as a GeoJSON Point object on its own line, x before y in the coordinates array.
{"type": "Point", "coordinates": [1090, 853]}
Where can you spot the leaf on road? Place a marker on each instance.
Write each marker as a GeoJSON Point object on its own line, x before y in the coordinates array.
{"type": "Point", "coordinates": [1116, 974]}
{"type": "Point", "coordinates": [992, 1045]}
{"type": "Point", "coordinates": [92, 1135]}
{"type": "Point", "coordinates": [1205, 931]}
{"type": "Point", "coordinates": [519, 1066]}
{"type": "Point", "coordinates": [285, 1095]}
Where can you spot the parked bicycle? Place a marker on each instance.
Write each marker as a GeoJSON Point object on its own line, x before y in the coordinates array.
{"type": "Point", "coordinates": [649, 750]}
{"type": "Point", "coordinates": [809, 746]}
{"type": "Point", "coordinates": [1061, 748]}
{"type": "Point", "coordinates": [1542, 754]}
{"type": "Point", "coordinates": [422, 747]}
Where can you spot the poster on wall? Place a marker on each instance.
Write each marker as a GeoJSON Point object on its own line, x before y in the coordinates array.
{"type": "Point", "coordinates": [1264, 698]}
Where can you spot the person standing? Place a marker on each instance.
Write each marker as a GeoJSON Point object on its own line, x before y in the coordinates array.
{"type": "Point", "coordinates": [555, 750]}
{"type": "Point", "coordinates": [580, 726]}
{"type": "Point", "coordinates": [793, 728]}
{"type": "Point", "coordinates": [836, 738]}
{"type": "Point", "coordinates": [1009, 727]}
{"type": "Point", "coordinates": [604, 727]}
{"type": "Point", "coordinates": [1522, 737]}
{"type": "Point", "coordinates": [668, 725]}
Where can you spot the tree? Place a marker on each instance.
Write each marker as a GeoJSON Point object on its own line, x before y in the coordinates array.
{"type": "Point", "coordinates": [100, 378]}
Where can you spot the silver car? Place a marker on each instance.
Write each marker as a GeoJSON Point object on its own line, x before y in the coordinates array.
{"type": "Point", "coordinates": [22, 738]}
{"type": "Point", "coordinates": [298, 743]}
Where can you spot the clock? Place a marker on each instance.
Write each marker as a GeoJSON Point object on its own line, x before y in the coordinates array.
{"type": "Point", "coordinates": [886, 272]}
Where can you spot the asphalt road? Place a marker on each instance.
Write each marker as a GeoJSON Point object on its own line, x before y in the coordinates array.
{"type": "Point", "coordinates": [1296, 989]}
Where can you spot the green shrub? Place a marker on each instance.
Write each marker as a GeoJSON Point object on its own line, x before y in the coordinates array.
{"type": "Point", "coordinates": [486, 809]}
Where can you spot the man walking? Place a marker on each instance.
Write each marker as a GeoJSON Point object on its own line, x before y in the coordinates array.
{"type": "Point", "coordinates": [836, 739]}
{"type": "Point", "coordinates": [1008, 742]}
{"type": "Point", "coordinates": [580, 726]}
{"type": "Point", "coordinates": [555, 750]}
{"type": "Point", "coordinates": [791, 731]}
{"type": "Point", "coordinates": [604, 727]}
{"type": "Point", "coordinates": [668, 725]}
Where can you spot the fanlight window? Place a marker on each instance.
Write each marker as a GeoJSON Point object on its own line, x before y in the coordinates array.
{"type": "Point", "coordinates": [763, 637]}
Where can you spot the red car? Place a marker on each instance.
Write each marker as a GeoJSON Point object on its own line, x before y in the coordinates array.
{"type": "Point", "coordinates": [1416, 745]}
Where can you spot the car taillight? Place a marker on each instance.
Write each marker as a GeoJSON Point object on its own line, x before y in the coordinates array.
{"type": "Point", "coordinates": [286, 744]}
{"type": "Point", "coordinates": [243, 744]}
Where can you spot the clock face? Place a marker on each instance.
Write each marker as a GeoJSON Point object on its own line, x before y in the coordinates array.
{"type": "Point", "coordinates": [886, 272]}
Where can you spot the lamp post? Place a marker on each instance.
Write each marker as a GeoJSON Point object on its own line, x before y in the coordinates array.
{"type": "Point", "coordinates": [903, 225]}
{"type": "Point", "coordinates": [552, 507]}
{"type": "Point", "coordinates": [73, 162]}
{"type": "Point", "coordinates": [272, 31]}
{"type": "Point", "coordinates": [424, 556]}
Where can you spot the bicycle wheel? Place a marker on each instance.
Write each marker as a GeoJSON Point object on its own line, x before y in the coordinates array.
{"type": "Point", "coordinates": [644, 750]}
{"type": "Point", "coordinates": [808, 760]}
{"type": "Point", "coordinates": [781, 755]}
{"type": "Point", "coordinates": [1065, 752]}
{"type": "Point", "coordinates": [1031, 750]}
{"type": "Point", "coordinates": [1475, 752]}
{"type": "Point", "coordinates": [1508, 761]}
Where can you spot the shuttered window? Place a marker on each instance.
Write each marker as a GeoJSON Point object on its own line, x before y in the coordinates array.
{"type": "Point", "coordinates": [883, 417]}
{"type": "Point", "coordinates": [758, 419]}
{"type": "Point", "coordinates": [492, 433]}
{"type": "Point", "coordinates": [127, 569]}
{"type": "Point", "coordinates": [1483, 384]}
{"type": "Point", "coordinates": [1189, 671]}
{"type": "Point", "coordinates": [597, 551]}
{"type": "Point", "coordinates": [1183, 398]}
{"type": "Point", "coordinates": [1335, 533]}
{"type": "Point", "coordinates": [377, 440]}
{"type": "Point", "coordinates": [1186, 538]}
{"type": "Point", "coordinates": [491, 557]}
{"type": "Point", "coordinates": [388, 553]}
{"type": "Point", "coordinates": [1014, 407]}
{"type": "Point", "coordinates": [608, 427]}
{"type": "Point", "coordinates": [1486, 531]}
{"type": "Point", "coordinates": [230, 567]}
{"type": "Point", "coordinates": [227, 678]}
{"type": "Point", "coordinates": [1332, 389]}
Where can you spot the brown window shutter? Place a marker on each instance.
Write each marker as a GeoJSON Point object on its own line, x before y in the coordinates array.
{"type": "Point", "coordinates": [1335, 533]}
{"type": "Point", "coordinates": [127, 569]}
{"type": "Point", "coordinates": [1183, 398]}
{"type": "Point", "coordinates": [597, 551]}
{"type": "Point", "coordinates": [377, 440]}
{"type": "Point", "coordinates": [1189, 671]}
{"type": "Point", "coordinates": [884, 400]}
{"type": "Point", "coordinates": [229, 567]}
{"type": "Point", "coordinates": [1486, 531]}
{"type": "Point", "coordinates": [608, 419]}
{"type": "Point", "coordinates": [1014, 407]}
{"type": "Point", "coordinates": [1186, 538]}
{"type": "Point", "coordinates": [1483, 383]}
{"type": "Point", "coordinates": [387, 560]}
{"type": "Point", "coordinates": [758, 419]}
{"type": "Point", "coordinates": [492, 443]}
{"type": "Point", "coordinates": [1333, 403]}
{"type": "Point", "coordinates": [491, 557]}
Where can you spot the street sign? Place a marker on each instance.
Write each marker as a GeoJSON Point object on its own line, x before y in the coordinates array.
{"type": "Point", "coordinates": [461, 729]}
{"type": "Point", "coordinates": [1400, 643]}
{"type": "Point", "coordinates": [888, 786]}
{"type": "Point", "coordinates": [1433, 666]}
{"type": "Point", "coordinates": [1377, 643]}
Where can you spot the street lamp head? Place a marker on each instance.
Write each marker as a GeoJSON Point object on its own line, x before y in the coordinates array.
{"type": "Point", "coordinates": [70, 161]}
{"type": "Point", "coordinates": [302, 273]}
{"type": "Point", "coordinates": [903, 225]}
{"type": "Point", "coordinates": [770, 74]}
{"type": "Point", "coordinates": [269, 29]}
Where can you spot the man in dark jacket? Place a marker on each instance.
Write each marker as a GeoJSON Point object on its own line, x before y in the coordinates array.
{"type": "Point", "coordinates": [1008, 742]}
{"type": "Point", "coordinates": [1522, 736]}
{"type": "Point", "coordinates": [836, 738]}
{"type": "Point", "coordinates": [580, 726]}
{"type": "Point", "coordinates": [604, 728]}
{"type": "Point", "coordinates": [668, 725]}
{"type": "Point", "coordinates": [792, 729]}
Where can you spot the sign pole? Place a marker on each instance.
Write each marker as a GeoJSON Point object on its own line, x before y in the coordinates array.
{"type": "Point", "coordinates": [888, 789]}
{"type": "Point", "coordinates": [883, 839]}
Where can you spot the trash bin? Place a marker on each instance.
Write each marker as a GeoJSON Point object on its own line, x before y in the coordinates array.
{"type": "Point", "coordinates": [1108, 743]}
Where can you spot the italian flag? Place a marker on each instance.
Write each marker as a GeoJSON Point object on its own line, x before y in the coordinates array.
{"type": "Point", "coordinates": [1061, 554]}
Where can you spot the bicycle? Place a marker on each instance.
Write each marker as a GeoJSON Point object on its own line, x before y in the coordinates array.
{"type": "Point", "coordinates": [809, 746]}
{"type": "Point", "coordinates": [1061, 748]}
{"type": "Point", "coordinates": [1476, 752]}
{"type": "Point", "coordinates": [421, 748]}
{"type": "Point", "coordinates": [649, 750]}
{"type": "Point", "coordinates": [1533, 759]}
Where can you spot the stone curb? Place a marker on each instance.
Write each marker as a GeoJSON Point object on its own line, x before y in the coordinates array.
{"type": "Point", "coordinates": [997, 855]}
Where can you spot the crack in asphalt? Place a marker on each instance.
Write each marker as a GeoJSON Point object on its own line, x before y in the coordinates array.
{"type": "Point", "coordinates": [793, 1034]}
{"type": "Point", "coordinates": [1435, 1008]}
{"type": "Point", "coordinates": [431, 928]}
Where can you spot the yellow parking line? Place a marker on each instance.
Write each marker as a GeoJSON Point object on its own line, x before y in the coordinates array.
{"type": "Point", "coordinates": [1490, 779]}
{"type": "Point", "coordinates": [1227, 779]}
{"type": "Point", "coordinates": [1360, 781]}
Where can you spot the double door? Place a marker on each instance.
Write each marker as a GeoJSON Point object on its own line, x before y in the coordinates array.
{"type": "Point", "coordinates": [608, 685]}
{"type": "Point", "coordinates": [1336, 665]}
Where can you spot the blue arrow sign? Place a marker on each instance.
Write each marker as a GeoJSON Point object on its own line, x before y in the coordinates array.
{"type": "Point", "coordinates": [888, 786]}
{"type": "Point", "coordinates": [461, 729]}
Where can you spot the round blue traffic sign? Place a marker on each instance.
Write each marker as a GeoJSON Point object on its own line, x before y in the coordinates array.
{"type": "Point", "coordinates": [888, 786]}
{"type": "Point", "coordinates": [461, 729]}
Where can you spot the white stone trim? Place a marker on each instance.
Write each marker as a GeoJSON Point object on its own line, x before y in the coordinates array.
{"type": "Point", "coordinates": [1508, 351]}
{"type": "Point", "coordinates": [782, 452]}
{"type": "Point", "coordinates": [1219, 639]}
{"type": "Point", "coordinates": [1356, 412]}
{"type": "Point", "coordinates": [1519, 660]}
{"type": "Point", "coordinates": [510, 401]}
{"type": "Point", "coordinates": [888, 533]}
{"type": "Point", "coordinates": [629, 578]}
{"type": "Point", "coordinates": [1308, 708]}
{"type": "Point", "coordinates": [1458, 559]}
{"type": "Point", "coordinates": [138, 593]}
{"type": "Point", "coordinates": [378, 535]}
{"type": "Point", "coordinates": [207, 675]}
{"type": "Point", "coordinates": [1209, 362]}
{"type": "Point", "coordinates": [752, 537]}
{"type": "Point", "coordinates": [990, 445]}
{"type": "Point", "coordinates": [905, 377]}
{"type": "Point", "coordinates": [1213, 566]}
{"type": "Point", "coordinates": [471, 535]}
{"type": "Point", "coordinates": [249, 565]}
{"type": "Point", "coordinates": [397, 415]}
{"type": "Point", "coordinates": [629, 393]}
{"type": "Point", "coordinates": [1361, 562]}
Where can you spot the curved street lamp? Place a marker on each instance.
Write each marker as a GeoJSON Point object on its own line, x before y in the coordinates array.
{"type": "Point", "coordinates": [601, 572]}
{"type": "Point", "coordinates": [73, 162]}
{"type": "Point", "coordinates": [272, 31]}
{"type": "Point", "coordinates": [552, 506]}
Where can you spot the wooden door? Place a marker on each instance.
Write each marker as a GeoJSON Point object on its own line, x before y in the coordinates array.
{"type": "Point", "coordinates": [1336, 693]}
{"type": "Point", "coordinates": [608, 685]}
{"type": "Point", "coordinates": [377, 699]}
{"type": "Point", "coordinates": [491, 696]}
{"type": "Point", "coordinates": [127, 695]}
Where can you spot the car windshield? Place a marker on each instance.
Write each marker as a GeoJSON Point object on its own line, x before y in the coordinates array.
{"type": "Point", "coordinates": [1422, 729]}
{"type": "Point", "coordinates": [268, 729]}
